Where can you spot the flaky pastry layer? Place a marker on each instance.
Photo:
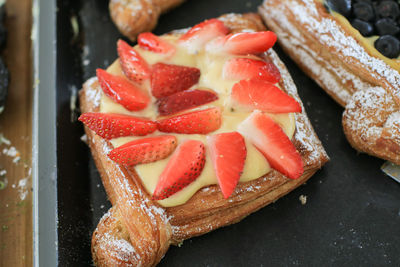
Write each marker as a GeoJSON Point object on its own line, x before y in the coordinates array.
{"type": "Point", "coordinates": [138, 231]}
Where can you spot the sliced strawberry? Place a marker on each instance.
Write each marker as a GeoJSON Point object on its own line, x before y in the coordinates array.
{"type": "Point", "coordinates": [273, 143]}
{"type": "Point", "coordinates": [155, 44]}
{"type": "Point", "coordinates": [198, 35]}
{"type": "Point", "coordinates": [185, 100]}
{"type": "Point", "coordinates": [243, 43]}
{"type": "Point", "coordinates": [247, 68]}
{"type": "Point", "coordinates": [258, 94]}
{"type": "Point", "coordinates": [168, 79]}
{"type": "Point", "coordinates": [110, 125]}
{"type": "Point", "coordinates": [144, 150]}
{"type": "Point", "coordinates": [228, 155]}
{"type": "Point", "coordinates": [133, 65]}
{"type": "Point", "coordinates": [122, 91]}
{"type": "Point", "coordinates": [185, 165]}
{"type": "Point", "coordinates": [196, 122]}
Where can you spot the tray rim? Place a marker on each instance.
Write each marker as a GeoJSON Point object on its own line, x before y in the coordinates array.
{"type": "Point", "coordinates": [44, 158]}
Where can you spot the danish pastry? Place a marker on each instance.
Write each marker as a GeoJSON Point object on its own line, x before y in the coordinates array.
{"type": "Point", "coordinates": [135, 16]}
{"type": "Point", "coordinates": [349, 48]}
{"type": "Point", "coordinates": [192, 131]}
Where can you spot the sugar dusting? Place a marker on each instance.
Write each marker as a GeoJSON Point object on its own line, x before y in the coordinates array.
{"type": "Point", "coordinates": [92, 93]}
{"type": "Point", "coordinates": [19, 184]}
{"type": "Point", "coordinates": [117, 247]}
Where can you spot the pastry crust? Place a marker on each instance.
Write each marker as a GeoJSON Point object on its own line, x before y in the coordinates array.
{"type": "Point", "coordinates": [138, 231]}
{"type": "Point", "coordinates": [135, 16]}
{"type": "Point", "coordinates": [330, 51]}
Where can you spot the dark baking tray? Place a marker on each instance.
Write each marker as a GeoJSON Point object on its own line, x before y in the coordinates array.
{"type": "Point", "coordinates": [352, 214]}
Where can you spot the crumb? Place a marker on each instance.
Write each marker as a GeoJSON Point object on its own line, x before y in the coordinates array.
{"type": "Point", "coordinates": [303, 199]}
{"type": "Point", "coordinates": [4, 140]}
{"type": "Point", "coordinates": [84, 138]}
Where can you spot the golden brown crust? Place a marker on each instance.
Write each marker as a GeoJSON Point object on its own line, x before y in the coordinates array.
{"type": "Point", "coordinates": [330, 52]}
{"type": "Point", "coordinates": [136, 16]}
{"type": "Point", "coordinates": [149, 228]}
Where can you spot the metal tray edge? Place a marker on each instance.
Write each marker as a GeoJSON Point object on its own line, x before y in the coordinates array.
{"type": "Point", "coordinates": [45, 249]}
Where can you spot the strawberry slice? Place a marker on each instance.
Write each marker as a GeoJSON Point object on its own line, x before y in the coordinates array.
{"type": "Point", "coordinates": [273, 143]}
{"type": "Point", "coordinates": [144, 150]}
{"type": "Point", "coordinates": [155, 44]}
{"type": "Point", "coordinates": [262, 95]}
{"type": "Point", "coordinates": [110, 125]}
{"type": "Point", "coordinates": [247, 68]}
{"type": "Point", "coordinates": [185, 165]}
{"type": "Point", "coordinates": [196, 122]}
{"type": "Point", "coordinates": [133, 65]}
{"type": "Point", "coordinates": [168, 79]}
{"type": "Point", "coordinates": [228, 155]}
{"type": "Point", "coordinates": [122, 91]}
{"type": "Point", "coordinates": [198, 35]}
{"type": "Point", "coordinates": [185, 100]}
{"type": "Point", "coordinates": [243, 43]}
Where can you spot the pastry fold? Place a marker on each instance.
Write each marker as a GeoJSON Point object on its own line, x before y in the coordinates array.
{"type": "Point", "coordinates": [356, 76]}
{"type": "Point", "coordinates": [138, 231]}
{"type": "Point", "coordinates": [136, 16]}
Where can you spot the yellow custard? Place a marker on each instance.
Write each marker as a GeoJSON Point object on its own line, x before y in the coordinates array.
{"type": "Point", "coordinates": [210, 66]}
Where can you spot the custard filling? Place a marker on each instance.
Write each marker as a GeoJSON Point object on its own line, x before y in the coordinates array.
{"type": "Point", "coordinates": [211, 66]}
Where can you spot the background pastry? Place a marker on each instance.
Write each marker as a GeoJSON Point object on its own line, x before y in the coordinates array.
{"type": "Point", "coordinates": [346, 64]}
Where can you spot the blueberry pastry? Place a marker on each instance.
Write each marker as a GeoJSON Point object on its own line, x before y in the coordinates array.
{"type": "Point", "coordinates": [192, 131]}
{"type": "Point", "coordinates": [351, 48]}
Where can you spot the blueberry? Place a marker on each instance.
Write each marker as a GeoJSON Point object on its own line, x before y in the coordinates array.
{"type": "Point", "coordinates": [363, 11]}
{"type": "Point", "coordinates": [3, 82]}
{"type": "Point", "coordinates": [387, 27]}
{"type": "Point", "coordinates": [365, 28]}
{"type": "Point", "coordinates": [388, 46]}
{"type": "Point", "coordinates": [341, 6]}
{"type": "Point", "coordinates": [388, 9]}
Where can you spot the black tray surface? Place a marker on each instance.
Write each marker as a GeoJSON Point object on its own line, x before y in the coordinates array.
{"type": "Point", "coordinates": [352, 214]}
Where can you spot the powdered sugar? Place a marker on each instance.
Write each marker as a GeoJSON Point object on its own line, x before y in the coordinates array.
{"type": "Point", "coordinates": [118, 248]}
{"type": "Point", "coordinates": [22, 188]}
{"type": "Point", "coordinates": [368, 120]}
{"type": "Point", "coordinates": [393, 120]}
{"type": "Point", "coordinates": [93, 94]}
